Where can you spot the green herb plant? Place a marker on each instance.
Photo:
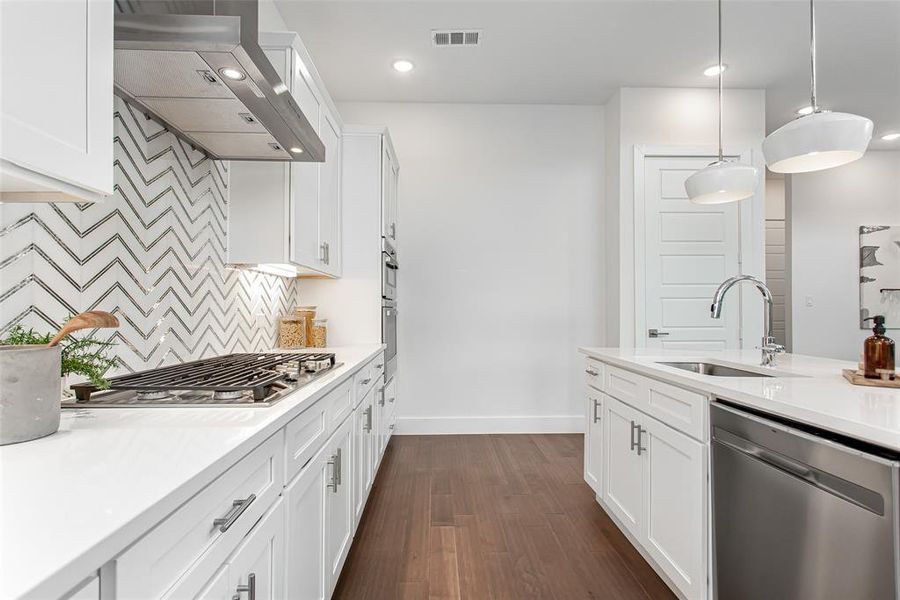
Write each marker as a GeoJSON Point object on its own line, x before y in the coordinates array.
{"type": "Point", "coordinates": [85, 356]}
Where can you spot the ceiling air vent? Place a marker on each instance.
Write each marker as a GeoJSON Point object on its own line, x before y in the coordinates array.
{"type": "Point", "coordinates": [447, 38]}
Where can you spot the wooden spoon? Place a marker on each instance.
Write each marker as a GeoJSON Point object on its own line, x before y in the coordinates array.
{"type": "Point", "coordinates": [93, 319]}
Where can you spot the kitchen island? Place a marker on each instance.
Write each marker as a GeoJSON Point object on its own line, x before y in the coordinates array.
{"type": "Point", "coordinates": [111, 499]}
{"type": "Point", "coordinates": [647, 443]}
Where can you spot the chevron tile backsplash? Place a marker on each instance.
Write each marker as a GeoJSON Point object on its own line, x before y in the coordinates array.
{"type": "Point", "coordinates": [153, 254]}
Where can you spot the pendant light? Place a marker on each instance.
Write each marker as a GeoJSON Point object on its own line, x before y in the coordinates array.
{"type": "Point", "coordinates": [821, 139]}
{"type": "Point", "coordinates": [722, 181]}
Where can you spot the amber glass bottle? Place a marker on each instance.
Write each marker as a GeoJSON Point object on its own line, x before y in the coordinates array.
{"type": "Point", "coordinates": [878, 350]}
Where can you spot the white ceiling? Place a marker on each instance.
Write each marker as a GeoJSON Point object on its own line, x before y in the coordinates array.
{"type": "Point", "coordinates": [561, 52]}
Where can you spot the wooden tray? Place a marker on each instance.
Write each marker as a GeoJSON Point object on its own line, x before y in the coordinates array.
{"type": "Point", "coordinates": [857, 378]}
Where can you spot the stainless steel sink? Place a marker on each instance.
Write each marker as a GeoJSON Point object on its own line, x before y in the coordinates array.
{"type": "Point", "coordinates": [702, 368]}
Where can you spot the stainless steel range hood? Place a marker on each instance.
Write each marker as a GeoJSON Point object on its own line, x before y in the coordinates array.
{"type": "Point", "coordinates": [197, 67]}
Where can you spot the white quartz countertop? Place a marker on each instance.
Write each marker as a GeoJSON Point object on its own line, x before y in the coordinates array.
{"type": "Point", "coordinates": [807, 389]}
{"type": "Point", "coordinates": [74, 500]}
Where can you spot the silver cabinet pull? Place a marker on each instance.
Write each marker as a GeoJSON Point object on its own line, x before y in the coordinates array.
{"type": "Point", "coordinates": [381, 398]}
{"type": "Point", "coordinates": [391, 399]}
{"type": "Point", "coordinates": [366, 381]}
{"type": "Point", "coordinates": [379, 365]}
{"type": "Point", "coordinates": [391, 427]}
{"type": "Point", "coordinates": [393, 231]}
{"type": "Point", "coordinates": [250, 588]}
{"type": "Point", "coordinates": [633, 427]}
{"type": "Point", "coordinates": [322, 251]}
{"type": "Point", "coordinates": [656, 333]}
{"type": "Point", "coordinates": [640, 431]}
{"type": "Point", "coordinates": [237, 509]}
{"type": "Point", "coordinates": [339, 468]}
{"type": "Point", "coordinates": [332, 462]}
{"type": "Point", "coordinates": [591, 372]}
{"type": "Point", "coordinates": [596, 406]}
{"type": "Point", "coordinates": [368, 413]}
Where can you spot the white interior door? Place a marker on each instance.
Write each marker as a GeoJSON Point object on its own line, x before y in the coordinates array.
{"type": "Point", "coordinates": [689, 250]}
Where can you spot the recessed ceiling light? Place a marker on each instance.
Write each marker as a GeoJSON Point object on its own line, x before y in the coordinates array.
{"type": "Point", "coordinates": [232, 73]}
{"type": "Point", "coordinates": [297, 150]}
{"type": "Point", "coordinates": [805, 110]}
{"type": "Point", "coordinates": [403, 66]}
{"type": "Point", "coordinates": [890, 137]}
{"type": "Point", "coordinates": [714, 70]}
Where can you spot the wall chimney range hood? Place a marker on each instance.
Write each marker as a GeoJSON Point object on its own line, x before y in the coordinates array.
{"type": "Point", "coordinates": [196, 66]}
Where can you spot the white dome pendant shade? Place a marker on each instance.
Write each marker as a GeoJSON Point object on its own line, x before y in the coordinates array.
{"type": "Point", "coordinates": [818, 141]}
{"type": "Point", "coordinates": [722, 181]}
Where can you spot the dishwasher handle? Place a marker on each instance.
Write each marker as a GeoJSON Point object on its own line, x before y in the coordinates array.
{"type": "Point", "coordinates": [846, 490]}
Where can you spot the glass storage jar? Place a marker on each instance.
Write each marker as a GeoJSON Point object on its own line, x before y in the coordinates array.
{"type": "Point", "coordinates": [308, 314]}
{"type": "Point", "coordinates": [292, 332]}
{"type": "Point", "coordinates": [319, 333]}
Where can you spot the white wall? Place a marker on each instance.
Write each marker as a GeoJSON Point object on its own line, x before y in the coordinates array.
{"type": "Point", "coordinates": [270, 18]}
{"type": "Point", "coordinates": [683, 117]}
{"type": "Point", "coordinates": [501, 253]}
{"type": "Point", "coordinates": [825, 210]}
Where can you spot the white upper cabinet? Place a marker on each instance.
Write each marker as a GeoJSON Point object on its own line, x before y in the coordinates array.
{"type": "Point", "coordinates": [288, 214]}
{"type": "Point", "coordinates": [390, 175]}
{"type": "Point", "coordinates": [56, 103]}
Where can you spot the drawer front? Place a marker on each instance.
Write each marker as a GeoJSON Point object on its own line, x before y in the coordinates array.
{"type": "Point", "coordinates": [339, 405]}
{"type": "Point", "coordinates": [625, 386]}
{"type": "Point", "coordinates": [306, 434]}
{"type": "Point", "coordinates": [187, 547]}
{"type": "Point", "coordinates": [677, 407]}
{"type": "Point", "coordinates": [593, 373]}
{"type": "Point", "coordinates": [366, 378]}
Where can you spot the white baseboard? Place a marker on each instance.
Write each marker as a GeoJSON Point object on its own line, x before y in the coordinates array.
{"type": "Point", "coordinates": [464, 425]}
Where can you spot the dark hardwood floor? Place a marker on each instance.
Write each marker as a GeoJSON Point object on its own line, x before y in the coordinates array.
{"type": "Point", "coordinates": [490, 516]}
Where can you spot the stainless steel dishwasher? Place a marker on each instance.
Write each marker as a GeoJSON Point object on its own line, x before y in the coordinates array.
{"type": "Point", "coordinates": [799, 513]}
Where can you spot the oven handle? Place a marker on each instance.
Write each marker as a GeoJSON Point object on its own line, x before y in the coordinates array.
{"type": "Point", "coordinates": [391, 265]}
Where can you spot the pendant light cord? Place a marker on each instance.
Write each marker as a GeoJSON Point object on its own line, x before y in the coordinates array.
{"type": "Point", "coordinates": [721, 75]}
{"type": "Point", "coordinates": [812, 56]}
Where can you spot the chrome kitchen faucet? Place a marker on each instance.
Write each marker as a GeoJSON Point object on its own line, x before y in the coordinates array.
{"type": "Point", "coordinates": [769, 348]}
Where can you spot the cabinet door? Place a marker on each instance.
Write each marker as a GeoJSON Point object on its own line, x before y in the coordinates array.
{"type": "Point", "coordinates": [56, 103]}
{"type": "Point", "coordinates": [339, 503]}
{"type": "Point", "coordinates": [330, 197]}
{"type": "Point", "coordinates": [387, 182]}
{"type": "Point", "coordinates": [622, 464]}
{"type": "Point", "coordinates": [674, 484]}
{"type": "Point", "coordinates": [593, 442]}
{"type": "Point", "coordinates": [363, 433]}
{"type": "Point", "coordinates": [305, 186]}
{"type": "Point", "coordinates": [305, 516]}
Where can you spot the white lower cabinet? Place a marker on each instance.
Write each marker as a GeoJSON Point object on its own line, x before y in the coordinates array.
{"type": "Point", "coordinates": [674, 505]}
{"type": "Point", "coordinates": [593, 442]}
{"type": "Point", "coordinates": [256, 569]}
{"type": "Point", "coordinates": [305, 501]}
{"type": "Point", "coordinates": [338, 503]}
{"type": "Point", "coordinates": [623, 465]}
{"type": "Point", "coordinates": [365, 445]}
{"type": "Point", "coordinates": [655, 486]}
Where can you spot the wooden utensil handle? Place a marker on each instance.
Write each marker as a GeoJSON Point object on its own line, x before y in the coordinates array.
{"type": "Point", "coordinates": [92, 319]}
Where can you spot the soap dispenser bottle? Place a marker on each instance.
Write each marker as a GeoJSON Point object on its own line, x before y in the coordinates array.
{"type": "Point", "coordinates": [878, 350]}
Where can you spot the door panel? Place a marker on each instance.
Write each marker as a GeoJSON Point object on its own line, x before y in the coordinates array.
{"type": "Point", "coordinates": [259, 561]}
{"type": "Point", "coordinates": [339, 503]}
{"type": "Point", "coordinates": [593, 442]}
{"type": "Point", "coordinates": [329, 196]}
{"type": "Point", "coordinates": [674, 480]}
{"type": "Point", "coordinates": [305, 508]}
{"type": "Point", "coordinates": [304, 215]}
{"type": "Point", "coordinates": [622, 465]}
{"type": "Point", "coordinates": [688, 250]}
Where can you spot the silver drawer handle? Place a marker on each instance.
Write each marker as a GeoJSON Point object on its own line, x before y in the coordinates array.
{"type": "Point", "coordinates": [392, 427]}
{"type": "Point", "coordinates": [365, 381]}
{"type": "Point", "coordinates": [379, 365]}
{"type": "Point", "coordinates": [634, 426]}
{"type": "Point", "coordinates": [391, 399]}
{"type": "Point", "coordinates": [250, 588]}
{"type": "Point", "coordinates": [368, 413]}
{"type": "Point", "coordinates": [596, 406]}
{"type": "Point", "coordinates": [335, 464]}
{"type": "Point", "coordinates": [237, 509]}
{"type": "Point", "coordinates": [591, 372]}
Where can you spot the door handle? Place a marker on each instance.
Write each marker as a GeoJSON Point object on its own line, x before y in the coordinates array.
{"type": "Point", "coordinates": [634, 444]}
{"type": "Point", "coordinates": [322, 251]}
{"type": "Point", "coordinates": [368, 413]}
{"type": "Point", "coordinates": [596, 406]}
{"type": "Point", "coordinates": [250, 588]}
{"type": "Point", "coordinates": [656, 333]}
{"type": "Point", "coordinates": [591, 372]}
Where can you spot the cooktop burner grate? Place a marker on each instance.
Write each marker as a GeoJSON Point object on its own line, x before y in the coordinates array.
{"type": "Point", "coordinates": [255, 373]}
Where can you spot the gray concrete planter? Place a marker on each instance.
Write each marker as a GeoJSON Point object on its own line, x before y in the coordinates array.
{"type": "Point", "coordinates": [30, 392]}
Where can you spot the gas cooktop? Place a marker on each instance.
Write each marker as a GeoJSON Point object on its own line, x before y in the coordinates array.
{"type": "Point", "coordinates": [260, 379]}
